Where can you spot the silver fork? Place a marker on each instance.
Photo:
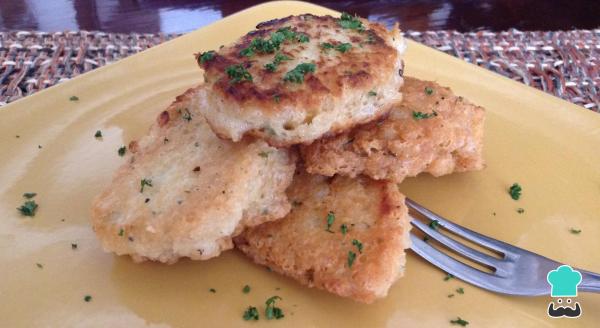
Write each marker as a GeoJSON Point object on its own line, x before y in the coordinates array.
{"type": "Point", "coordinates": [516, 272]}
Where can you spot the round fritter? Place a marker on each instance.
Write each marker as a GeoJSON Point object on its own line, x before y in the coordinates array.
{"type": "Point", "coordinates": [432, 131]}
{"type": "Point", "coordinates": [183, 192]}
{"type": "Point", "coordinates": [295, 79]}
{"type": "Point", "coordinates": [346, 236]}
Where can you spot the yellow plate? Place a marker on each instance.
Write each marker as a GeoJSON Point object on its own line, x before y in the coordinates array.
{"type": "Point", "coordinates": [547, 145]}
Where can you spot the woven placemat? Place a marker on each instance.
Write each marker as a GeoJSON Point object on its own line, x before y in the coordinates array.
{"type": "Point", "coordinates": [565, 64]}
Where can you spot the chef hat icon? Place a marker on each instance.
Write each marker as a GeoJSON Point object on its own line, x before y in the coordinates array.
{"type": "Point", "coordinates": [564, 281]}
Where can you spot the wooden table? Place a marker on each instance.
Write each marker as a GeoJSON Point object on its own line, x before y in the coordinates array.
{"type": "Point", "coordinates": [177, 16]}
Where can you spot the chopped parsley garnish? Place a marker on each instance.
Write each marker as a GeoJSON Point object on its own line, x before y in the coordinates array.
{"type": "Point", "coordinates": [358, 245]}
{"type": "Point", "coordinates": [28, 208]}
{"type": "Point", "coordinates": [98, 134]}
{"type": "Point", "coordinates": [273, 312]}
{"type": "Point", "coordinates": [326, 46]}
{"type": "Point", "coordinates": [460, 290]}
{"type": "Point", "coordinates": [448, 277]}
{"type": "Point", "coordinates": [343, 47]}
{"type": "Point", "coordinates": [277, 98]}
{"type": "Point", "coordinates": [29, 195]}
{"type": "Point", "coordinates": [74, 98]}
{"type": "Point", "coordinates": [145, 182]}
{"type": "Point", "coordinates": [297, 74]}
{"type": "Point", "coordinates": [344, 229]}
{"type": "Point", "coordinates": [73, 246]}
{"type": "Point", "coordinates": [185, 114]}
{"type": "Point", "coordinates": [269, 46]}
{"type": "Point", "coordinates": [351, 258]}
{"type": "Point", "coordinates": [272, 67]}
{"type": "Point", "coordinates": [450, 295]}
{"type": "Point", "coordinates": [421, 116]}
{"type": "Point", "coordinates": [302, 38]}
{"type": "Point", "coordinates": [246, 289]}
{"type": "Point", "coordinates": [206, 56]}
{"type": "Point", "coordinates": [372, 93]}
{"type": "Point", "coordinates": [237, 74]}
{"type": "Point", "coordinates": [39, 265]}
{"type": "Point", "coordinates": [434, 224]}
{"type": "Point", "coordinates": [212, 290]}
{"type": "Point", "coordinates": [515, 191]}
{"type": "Point", "coordinates": [87, 298]}
{"type": "Point", "coordinates": [428, 91]}
{"type": "Point", "coordinates": [459, 321]}
{"type": "Point", "coordinates": [121, 232]}
{"type": "Point", "coordinates": [520, 210]}
{"type": "Point", "coordinates": [122, 150]}
{"type": "Point", "coordinates": [349, 22]}
{"type": "Point", "coordinates": [251, 313]}
{"type": "Point", "coordinates": [575, 231]}
{"type": "Point", "coordinates": [330, 219]}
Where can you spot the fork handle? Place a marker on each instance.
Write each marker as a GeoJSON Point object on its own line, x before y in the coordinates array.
{"type": "Point", "coordinates": [590, 282]}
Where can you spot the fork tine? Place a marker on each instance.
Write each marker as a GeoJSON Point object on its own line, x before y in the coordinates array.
{"type": "Point", "coordinates": [457, 268]}
{"type": "Point", "coordinates": [458, 247]}
{"type": "Point", "coordinates": [464, 232]}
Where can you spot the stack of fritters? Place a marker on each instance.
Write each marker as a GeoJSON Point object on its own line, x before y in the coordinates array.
{"type": "Point", "coordinates": [316, 126]}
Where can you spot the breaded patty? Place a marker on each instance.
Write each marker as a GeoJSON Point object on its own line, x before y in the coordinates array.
{"type": "Point", "coordinates": [346, 236]}
{"type": "Point", "coordinates": [183, 192]}
{"type": "Point", "coordinates": [432, 131]}
{"type": "Point", "coordinates": [295, 79]}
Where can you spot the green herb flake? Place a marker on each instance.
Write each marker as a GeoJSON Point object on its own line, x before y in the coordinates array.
{"type": "Point", "coordinates": [297, 74]}
{"type": "Point", "coordinates": [206, 56]}
{"type": "Point", "coordinates": [250, 314]}
{"type": "Point", "coordinates": [74, 98]}
{"type": "Point", "coordinates": [237, 74]}
{"type": "Point", "coordinates": [422, 116]}
{"type": "Point", "coordinates": [145, 182]}
{"type": "Point", "coordinates": [302, 38]}
{"type": "Point", "coordinates": [28, 208]}
{"type": "Point", "coordinates": [358, 245]}
{"type": "Point", "coordinates": [450, 295]}
{"type": "Point", "coordinates": [186, 115]}
{"type": "Point", "coordinates": [372, 93]}
{"type": "Point", "coordinates": [121, 232]}
{"type": "Point", "coordinates": [520, 210]}
{"type": "Point", "coordinates": [459, 322]}
{"type": "Point", "coordinates": [271, 311]}
{"type": "Point", "coordinates": [246, 289]}
{"type": "Point", "coordinates": [122, 150]}
{"type": "Point", "coordinates": [460, 290]}
{"type": "Point", "coordinates": [87, 298]}
{"type": "Point", "coordinates": [515, 191]}
{"type": "Point", "coordinates": [29, 195]}
{"type": "Point", "coordinates": [212, 290]}
{"type": "Point", "coordinates": [264, 154]}
{"type": "Point", "coordinates": [330, 220]}
{"type": "Point", "coordinates": [277, 98]}
{"type": "Point", "coordinates": [326, 46]}
{"type": "Point", "coordinates": [39, 265]}
{"type": "Point", "coordinates": [350, 22]}
{"type": "Point", "coordinates": [575, 231]}
{"type": "Point", "coordinates": [351, 258]}
{"type": "Point", "coordinates": [343, 47]}
{"type": "Point", "coordinates": [73, 246]}
{"type": "Point", "coordinates": [448, 277]}
{"type": "Point", "coordinates": [344, 229]}
{"type": "Point", "coordinates": [428, 91]}
{"type": "Point", "coordinates": [98, 134]}
{"type": "Point", "coordinates": [272, 67]}
{"type": "Point", "coordinates": [434, 224]}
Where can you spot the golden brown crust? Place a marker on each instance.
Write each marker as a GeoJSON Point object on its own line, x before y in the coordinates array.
{"type": "Point", "coordinates": [400, 145]}
{"type": "Point", "coordinates": [300, 247]}
{"type": "Point", "coordinates": [203, 190]}
{"type": "Point", "coordinates": [283, 112]}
